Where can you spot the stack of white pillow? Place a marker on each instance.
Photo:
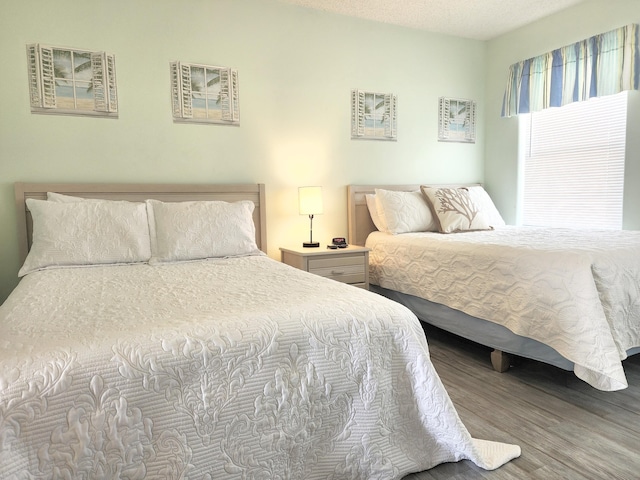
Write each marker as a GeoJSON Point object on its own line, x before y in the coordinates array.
{"type": "Point", "coordinates": [72, 231]}
{"type": "Point", "coordinates": [433, 209]}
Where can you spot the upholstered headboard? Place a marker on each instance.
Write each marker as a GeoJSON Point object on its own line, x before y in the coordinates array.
{"type": "Point", "coordinates": [140, 192]}
{"type": "Point", "coordinates": [360, 223]}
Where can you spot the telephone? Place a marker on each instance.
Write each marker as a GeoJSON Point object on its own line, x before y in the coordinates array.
{"type": "Point", "coordinates": [338, 242]}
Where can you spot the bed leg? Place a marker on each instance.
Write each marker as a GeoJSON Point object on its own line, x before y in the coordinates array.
{"type": "Point", "coordinates": [500, 361]}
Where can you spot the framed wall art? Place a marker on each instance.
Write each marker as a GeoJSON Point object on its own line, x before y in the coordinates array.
{"type": "Point", "coordinates": [373, 115]}
{"type": "Point", "coordinates": [456, 120]}
{"type": "Point", "coordinates": [71, 81]}
{"type": "Point", "coordinates": [204, 94]}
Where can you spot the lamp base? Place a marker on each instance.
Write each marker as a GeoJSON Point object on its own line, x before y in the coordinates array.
{"type": "Point", "coordinates": [311, 244]}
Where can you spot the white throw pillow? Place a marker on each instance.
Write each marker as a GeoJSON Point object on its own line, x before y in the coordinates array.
{"type": "Point", "coordinates": [182, 231]}
{"type": "Point", "coordinates": [483, 200]}
{"type": "Point", "coordinates": [373, 212]}
{"type": "Point", "coordinates": [455, 209]}
{"type": "Point", "coordinates": [404, 212]}
{"type": "Point", "coordinates": [86, 233]}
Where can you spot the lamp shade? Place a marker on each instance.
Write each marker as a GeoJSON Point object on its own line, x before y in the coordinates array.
{"type": "Point", "coordinates": [310, 200]}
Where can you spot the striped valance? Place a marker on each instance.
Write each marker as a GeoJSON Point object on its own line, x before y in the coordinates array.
{"type": "Point", "coordinates": [601, 65]}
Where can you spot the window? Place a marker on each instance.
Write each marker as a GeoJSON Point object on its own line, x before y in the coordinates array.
{"type": "Point", "coordinates": [572, 164]}
{"type": "Point", "coordinates": [70, 81]}
{"type": "Point", "coordinates": [204, 94]}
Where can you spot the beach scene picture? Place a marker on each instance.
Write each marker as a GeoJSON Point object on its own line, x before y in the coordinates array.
{"type": "Point", "coordinates": [73, 80]}
{"type": "Point", "coordinates": [457, 117]}
{"type": "Point", "coordinates": [374, 115]}
{"type": "Point", "coordinates": [457, 120]}
{"type": "Point", "coordinates": [206, 94]}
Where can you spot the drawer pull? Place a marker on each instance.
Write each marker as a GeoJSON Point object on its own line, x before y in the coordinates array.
{"type": "Point", "coordinates": [337, 272]}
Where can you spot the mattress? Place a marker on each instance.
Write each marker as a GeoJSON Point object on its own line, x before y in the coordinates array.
{"type": "Point", "coordinates": [575, 291]}
{"type": "Point", "coordinates": [227, 368]}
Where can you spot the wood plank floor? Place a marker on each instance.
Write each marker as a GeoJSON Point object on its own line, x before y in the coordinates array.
{"type": "Point", "coordinates": [566, 429]}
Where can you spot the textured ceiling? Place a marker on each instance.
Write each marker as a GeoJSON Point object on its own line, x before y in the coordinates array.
{"type": "Point", "coordinates": [477, 19]}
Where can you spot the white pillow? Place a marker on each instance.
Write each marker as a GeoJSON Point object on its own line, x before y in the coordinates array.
{"type": "Point", "coordinates": [404, 212]}
{"type": "Point", "coordinates": [455, 209]}
{"type": "Point", "coordinates": [373, 212]}
{"type": "Point", "coordinates": [483, 200]}
{"type": "Point", "coordinates": [59, 197]}
{"type": "Point", "coordinates": [182, 231]}
{"type": "Point", "coordinates": [86, 233]}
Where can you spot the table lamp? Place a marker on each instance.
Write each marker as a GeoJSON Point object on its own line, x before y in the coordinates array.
{"type": "Point", "coordinates": [310, 203]}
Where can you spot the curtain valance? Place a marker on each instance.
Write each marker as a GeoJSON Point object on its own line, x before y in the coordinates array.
{"type": "Point", "coordinates": [601, 65]}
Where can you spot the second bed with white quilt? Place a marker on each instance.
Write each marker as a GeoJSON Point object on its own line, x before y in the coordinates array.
{"type": "Point", "coordinates": [568, 297]}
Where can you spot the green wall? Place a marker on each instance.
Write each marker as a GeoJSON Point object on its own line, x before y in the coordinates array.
{"type": "Point", "coordinates": [296, 71]}
{"type": "Point", "coordinates": [296, 68]}
{"type": "Point", "coordinates": [501, 142]}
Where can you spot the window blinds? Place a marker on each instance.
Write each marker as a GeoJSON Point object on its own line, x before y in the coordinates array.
{"type": "Point", "coordinates": [573, 164]}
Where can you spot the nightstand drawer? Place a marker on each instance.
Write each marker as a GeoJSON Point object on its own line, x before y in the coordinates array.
{"type": "Point", "coordinates": [347, 265]}
{"type": "Point", "coordinates": [346, 269]}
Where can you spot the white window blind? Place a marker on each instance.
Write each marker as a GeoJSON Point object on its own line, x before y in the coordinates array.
{"type": "Point", "coordinates": [572, 160]}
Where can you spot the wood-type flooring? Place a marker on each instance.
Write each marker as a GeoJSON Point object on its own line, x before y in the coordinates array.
{"type": "Point", "coordinates": [567, 429]}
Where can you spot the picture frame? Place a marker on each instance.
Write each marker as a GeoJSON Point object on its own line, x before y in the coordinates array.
{"type": "Point", "coordinates": [204, 94]}
{"type": "Point", "coordinates": [374, 115]}
{"type": "Point", "coordinates": [71, 81]}
{"type": "Point", "coordinates": [456, 120]}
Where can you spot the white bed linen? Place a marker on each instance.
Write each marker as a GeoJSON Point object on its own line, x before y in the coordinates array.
{"type": "Point", "coordinates": [234, 368]}
{"type": "Point", "coordinates": [576, 291]}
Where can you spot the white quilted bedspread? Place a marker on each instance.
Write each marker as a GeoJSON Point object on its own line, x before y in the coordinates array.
{"type": "Point", "coordinates": [237, 368]}
{"type": "Point", "coordinates": [576, 291]}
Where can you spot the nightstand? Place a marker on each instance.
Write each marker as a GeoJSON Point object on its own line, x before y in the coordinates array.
{"type": "Point", "coordinates": [348, 265]}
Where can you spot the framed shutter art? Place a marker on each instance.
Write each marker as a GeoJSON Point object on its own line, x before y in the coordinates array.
{"type": "Point", "coordinates": [69, 81]}
{"type": "Point", "coordinates": [374, 115]}
{"type": "Point", "coordinates": [204, 94]}
{"type": "Point", "coordinates": [456, 120]}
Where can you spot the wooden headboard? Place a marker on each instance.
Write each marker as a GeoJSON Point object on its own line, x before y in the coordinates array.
{"type": "Point", "coordinates": [360, 223]}
{"type": "Point", "coordinates": [139, 193]}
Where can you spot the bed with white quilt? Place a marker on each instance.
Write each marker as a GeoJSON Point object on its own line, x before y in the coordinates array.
{"type": "Point", "coordinates": [566, 297]}
{"type": "Point", "coordinates": [151, 337]}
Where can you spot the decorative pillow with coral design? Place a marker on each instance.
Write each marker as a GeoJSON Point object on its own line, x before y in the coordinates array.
{"type": "Point", "coordinates": [455, 209]}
